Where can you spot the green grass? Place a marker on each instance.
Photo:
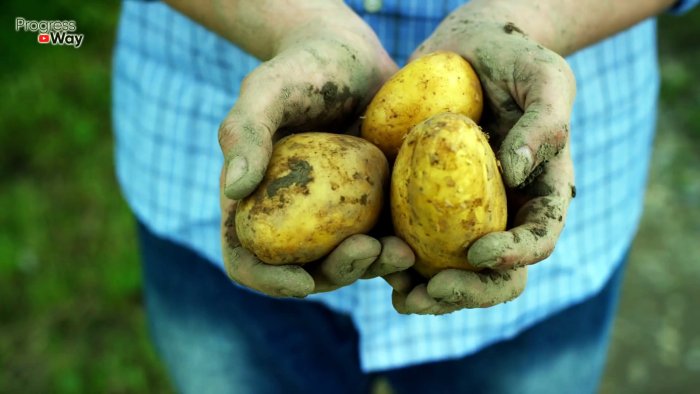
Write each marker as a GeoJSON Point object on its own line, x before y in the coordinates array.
{"type": "Point", "coordinates": [71, 319]}
{"type": "Point", "coordinates": [70, 280]}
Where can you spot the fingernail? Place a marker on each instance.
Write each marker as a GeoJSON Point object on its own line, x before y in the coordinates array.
{"type": "Point", "coordinates": [520, 165]}
{"type": "Point", "coordinates": [484, 253]}
{"type": "Point", "coordinates": [525, 161]}
{"type": "Point", "coordinates": [237, 168]}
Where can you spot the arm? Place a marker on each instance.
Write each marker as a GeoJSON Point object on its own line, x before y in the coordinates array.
{"type": "Point", "coordinates": [516, 47]}
{"type": "Point", "coordinates": [566, 26]}
{"type": "Point", "coordinates": [260, 27]}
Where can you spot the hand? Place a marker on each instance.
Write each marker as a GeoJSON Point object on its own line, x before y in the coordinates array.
{"type": "Point", "coordinates": [320, 77]}
{"type": "Point", "coordinates": [529, 96]}
{"type": "Point", "coordinates": [359, 256]}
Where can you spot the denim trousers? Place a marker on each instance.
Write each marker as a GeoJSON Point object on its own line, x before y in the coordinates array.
{"type": "Point", "coordinates": [216, 337]}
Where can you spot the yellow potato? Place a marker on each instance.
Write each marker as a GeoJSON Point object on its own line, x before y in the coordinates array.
{"type": "Point", "coordinates": [446, 191]}
{"type": "Point", "coordinates": [432, 84]}
{"type": "Point", "coordinates": [319, 189]}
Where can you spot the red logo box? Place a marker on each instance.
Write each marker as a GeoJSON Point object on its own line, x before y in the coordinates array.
{"type": "Point", "coordinates": [43, 38]}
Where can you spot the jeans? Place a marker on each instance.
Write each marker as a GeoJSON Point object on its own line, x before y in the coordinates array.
{"type": "Point", "coordinates": [215, 337]}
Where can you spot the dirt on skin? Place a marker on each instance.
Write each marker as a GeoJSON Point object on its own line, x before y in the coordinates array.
{"type": "Point", "coordinates": [346, 83]}
{"type": "Point", "coordinates": [467, 288]}
{"type": "Point", "coordinates": [230, 226]}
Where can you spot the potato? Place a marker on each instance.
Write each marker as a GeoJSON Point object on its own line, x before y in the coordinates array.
{"type": "Point", "coordinates": [432, 84]}
{"type": "Point", "coordinates": [319, 189]}
{"type": "Point", "coordinates": [446, 191]}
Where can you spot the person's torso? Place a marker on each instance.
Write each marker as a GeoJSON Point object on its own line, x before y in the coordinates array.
{"type": "Point", "coordinates": [174, 81]}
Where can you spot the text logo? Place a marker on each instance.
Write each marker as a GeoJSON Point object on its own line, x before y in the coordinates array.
{"type": "Point", "coordinates": [53, 32]}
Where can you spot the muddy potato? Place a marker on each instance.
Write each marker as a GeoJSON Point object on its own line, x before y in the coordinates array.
{"type": "Point", "coordinates": [319, 189]}
{"type": "Point", "coordinates": [446, 191]}
{"type": "Point", "coordinates": [432, 84]}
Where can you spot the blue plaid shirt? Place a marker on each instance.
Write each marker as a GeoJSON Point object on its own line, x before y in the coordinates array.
{"type": "Point", "coordinates": [174, 81]}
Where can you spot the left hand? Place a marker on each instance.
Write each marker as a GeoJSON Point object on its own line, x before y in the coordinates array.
{"type": "Point", "coordinates": [529, 94]}
{"type": "Point", "coordinates": [319, 75]}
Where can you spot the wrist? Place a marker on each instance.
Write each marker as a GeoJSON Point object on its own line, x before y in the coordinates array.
{"type": "Point", "coordinates": [509, 16]}
{"type": "Point", "coordinates": [345, 32]}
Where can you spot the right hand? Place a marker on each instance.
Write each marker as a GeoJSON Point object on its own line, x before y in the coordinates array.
{"type": "Point", "coordinates": [529, 93]}
{"type": "Point", "coordinates": [323, 75]}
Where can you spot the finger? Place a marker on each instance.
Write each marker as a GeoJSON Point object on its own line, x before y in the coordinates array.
{"type": "Point", "coordinates": [418, 301]}
{"type": "Point", "coordinates": [244, 268]}
{"type": "Point", "coordinates": [395, 256]}
{"type": "Point", "coordinates": [466, 289]}
{"type": "Point", "coordinates": [543, 129]}
{"type": "Point", "coordinates": [538, 223]}
{"type": "Point", "coordinates": [245, 137]}
{"type": "Point", "coordinates": [346, 263]}
{"type": "Point", "coordinates": [274, 280]}
{"type": "Point", "coordinates": [528, 243]}
{"type": "Point", "coordinates": [403, 281]}
{"type": "Point", "coordinates": [416, 304]}
{"type": "Point", "coordinates": [398, 300]}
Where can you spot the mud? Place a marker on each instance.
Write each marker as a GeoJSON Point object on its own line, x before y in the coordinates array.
{"type": "Point", "coordinates": [230, 226]}
{"type": "Point", "coordinates": [485, 288]}
{"type": "Point", "coordinates": [538, 189]}
{"type": "Point", "coordinates": [546, 151]}
{"type": "Point", "coordinates": [516, 168]}
{"type": "Point", "coordinates": [300, 175]}
{"type": "Point", "coordinates": [538, 232]}
{"type": "Point", "coordinates": [536, 172]}
{"type": "Point", "coordinates": [510, 28]}
{"type": "Point", "coordinates": [363, 199]}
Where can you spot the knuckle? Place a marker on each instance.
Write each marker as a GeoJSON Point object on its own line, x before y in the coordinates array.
{"type": "Point", "coordinates": [564, 131]}
{"type": "Point", "coordinates": [542, 250]}
{"type": "Point", "coordinates": [249, 80]}
{"type": "Point", "coordinates": [554, 138]}
{"type": "Point", "coordinates": [559, 74]}
{"type": "Point", "coordinates": [564, 76]}
{"type": "Point", "coordinates": [226, 134]}
{"type": "Point", "coordinates": [546, 251]}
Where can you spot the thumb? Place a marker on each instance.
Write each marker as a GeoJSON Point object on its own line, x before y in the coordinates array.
{"type": "Point", "coordinates": [245, 137]}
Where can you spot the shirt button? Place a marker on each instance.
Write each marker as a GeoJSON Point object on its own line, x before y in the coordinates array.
{"type": "Point", "coordinates": [373, 5]}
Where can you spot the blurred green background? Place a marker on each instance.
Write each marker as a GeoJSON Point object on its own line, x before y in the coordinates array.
{"type": "Point", "coordinates": [71, 319]}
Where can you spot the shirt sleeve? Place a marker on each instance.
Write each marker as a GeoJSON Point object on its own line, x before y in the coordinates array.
{"type": "Point", "coordinates": [683, 6]}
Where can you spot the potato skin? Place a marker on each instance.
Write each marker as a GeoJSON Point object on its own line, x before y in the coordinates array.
{"type": "Point", "coordinates": [319, 189]}
{"type": "Point", "coordinates": [446, 191]}
{"type": "Point", "coordinates": [432, 84]}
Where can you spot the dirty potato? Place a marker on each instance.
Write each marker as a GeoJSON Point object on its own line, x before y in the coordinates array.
{"type": "Point", "coordinates": [319, 189]}
{"type": "Point", "coordinates": [432, 84]}
{"type": "Point", "coordinates": [446, 192]}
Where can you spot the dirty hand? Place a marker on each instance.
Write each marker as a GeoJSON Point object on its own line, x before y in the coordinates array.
{"type": "Point", "coordinates": [358, 256]}
{"type": "Point", "coordinates": [321, 75]}
{"type": "Point", "coordinates": [529, 92]}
